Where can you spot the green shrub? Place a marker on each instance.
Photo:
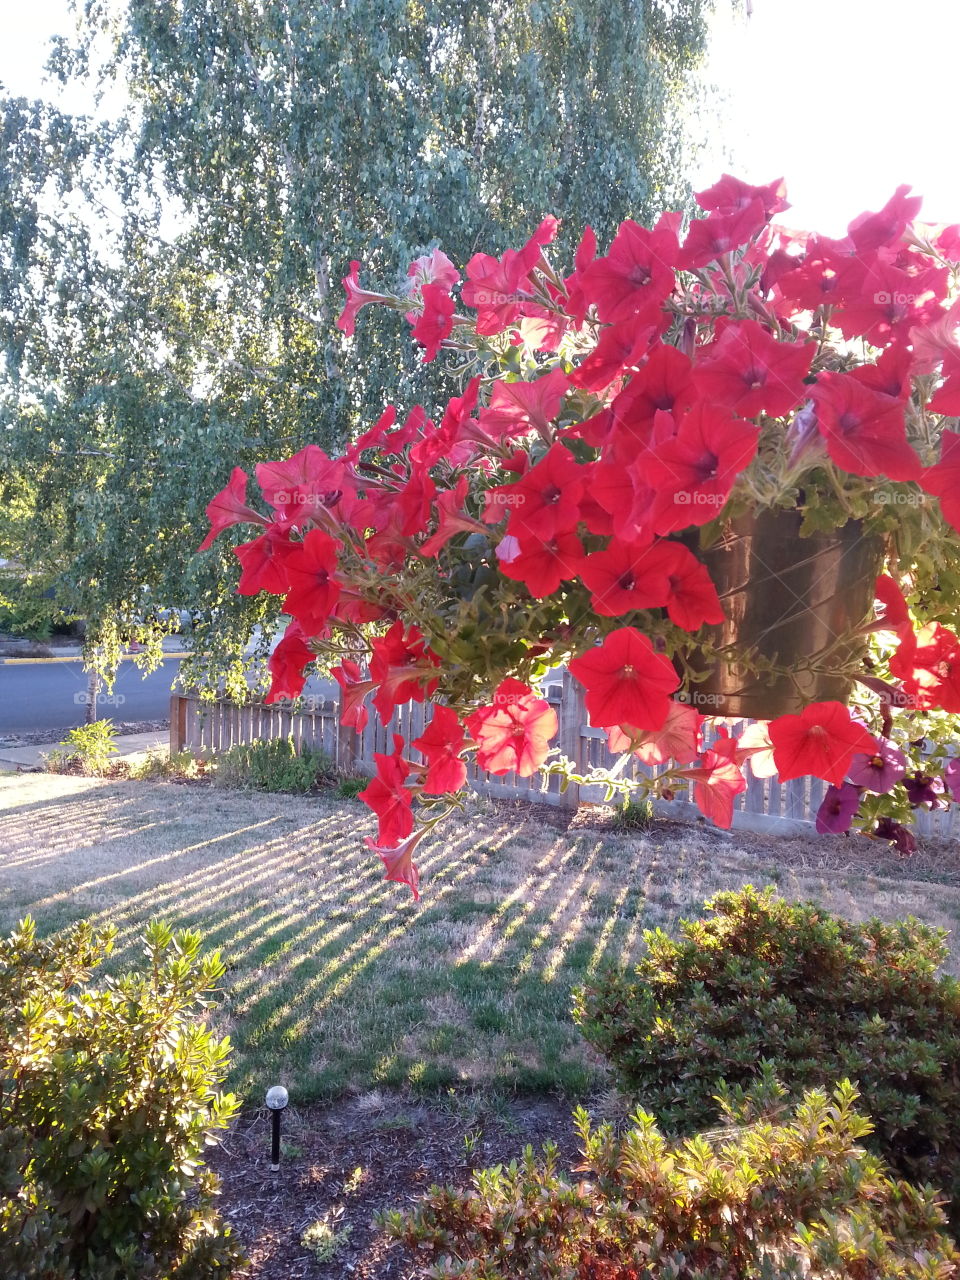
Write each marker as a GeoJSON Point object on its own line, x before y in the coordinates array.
{"type": "Point", "coordinates": [634, 815]}
{"type": "Point", "coordinates": [818, 997]}
{"type": "Point", "coordinates": [272, 765]}
{"type": "Point", "coordinates": [108, 1096]}
{"type": "Point", "coordinates": [181, 766]}
{"type": "Point", "coordinates": [87, 748]}
{"type": "Point", "coordinates": [763, 1199]}
{"type": "Point", "coordinates": [350, 788]}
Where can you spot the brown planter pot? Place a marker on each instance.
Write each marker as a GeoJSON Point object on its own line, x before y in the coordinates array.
{"type": "Point", "coordinates": [787, 598]}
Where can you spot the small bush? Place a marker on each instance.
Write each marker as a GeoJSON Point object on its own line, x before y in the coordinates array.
{"type": "Point", "coordinates": [818, 997]}
{"type": "Point", "coordinates": [180, 766]}
{"type": "Point", "coordinates": [634, 815]}
{"type": "Point", "coordinates": [108, 1096]}
{"type": "Point", "coordinates": [350, 788]}
{"type": "Point", "coordinates": [763, 1200]}
{"type": "Point", "coordinates": [272, 765]}
{"type": "Point", "coordinates": [86, 749]}
{"type": "Point", "coordinates": [324, 1238]}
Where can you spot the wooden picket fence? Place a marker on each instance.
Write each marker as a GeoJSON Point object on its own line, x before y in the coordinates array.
{"type": "Point", "coordinates": [766, 806]}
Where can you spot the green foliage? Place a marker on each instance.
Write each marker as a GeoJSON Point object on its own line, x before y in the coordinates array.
{"type": "Point", "coordinates": [87, 748]}
{"type": "Point", "coordinates": [159, 765]}
{"type": "Point", "coordinates": [272, 765]}
{"type": "Point", "coordinates": [144, 355]}
{"type": "Point", "coordinates": [324, 1238]}
{"type": "Point", "coordinates": [765, 1199]}
{"type": "Point", "coordinates": [350, 788]}
{"type": "Point", "coordinates": [761, 980]}
{"type": "Point", "coordinates": [25, 607]}
{"type": "Point", "coordinates": [634, 815]}
{"type": "Point", "coordinates": [108, 1097]}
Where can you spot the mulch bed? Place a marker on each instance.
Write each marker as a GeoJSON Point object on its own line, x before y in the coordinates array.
{"type": "Point", "coordinates": [400, 1147]}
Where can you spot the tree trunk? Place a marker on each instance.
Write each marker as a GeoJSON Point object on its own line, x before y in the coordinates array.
{"type": "Point", "coordinates": [93, 693]}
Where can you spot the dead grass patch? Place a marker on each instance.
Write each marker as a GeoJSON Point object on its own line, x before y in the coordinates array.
{"type": "Point", "coordinates": [339, 983]}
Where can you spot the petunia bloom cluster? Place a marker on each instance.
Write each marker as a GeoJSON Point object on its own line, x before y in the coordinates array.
{"type": "Point", "coordinates": [554, 512]}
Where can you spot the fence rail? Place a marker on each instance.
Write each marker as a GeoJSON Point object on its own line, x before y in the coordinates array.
{"type": "Point", "coordinates": [767, 806]}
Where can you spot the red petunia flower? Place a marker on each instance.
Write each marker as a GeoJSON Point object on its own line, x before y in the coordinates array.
{"type": "Point", "coordinates": [928, 663]}
{"type": "Point", "coordinates": [943, 479]}
{"type": "Point", "coordinates": [821, 742]}
{"type": "Point", "coordinates": [626, 682]}
{"type": "Point", "coordinates": [577, 305]}
{"type": "Point", "coordinates": [887, 302]}
{"type": "Point", "coordinates": [676, 740]}
{"type": "Point", "coordinates": [441, 743]}
{"type": "Point", "coordinates": [452, 519]}
{"type": "Point", "coordinates": [543, 565]}
{"type": "Point", "coordinates": [894, 615]}
{"type": "Point", "coordinates": [754, 745]}
{"type": "Point", "coordinates": [695, 471]}
{"type": "Point", "coordinates": [716, 781]}
{"type": "Point", "coordinates": [636, 274]}
{"type": "Point", "coordinates": [398, 860]}
{"type": "Point", "coordinates": [513, 735]}
{"type": "Point", "coordinates": [356, 298]}
{"type": "Point", "coordinates": [264, 560]}
{"type": "Point", "coordinates": [626, 576]}
{"type": "Point", "coordinates": [432, 268]}
{"type": "Point", "coordinates": [620, 349]}
{"type": "Point", "coordinates": [229, 507]}
{"type": "Point", "coordinates": [353, 691]}
{"type": "Point", "coordinates": [863, 429]}
{"type": "Point", "coordinates": [451, 441]}
{"type": "Point", "coordinates": [730, 195]}
{"type": "Point", "coordinates": [402, 666]}
{"type": "Point", "coordinates": [545, 501]}
{"type": "Point", "coordinates": [314, 590]}
{"type": "Point", "coordinates": [518, 407]}
{"type": "Point", "coordinates": [498, 287]}
{"type": "Point", "coordinates": [873, 230]}
{"type": "Point", "coordinates": [746, 371]}
{"type": "Point", "coordinates": [434, 324]}
{"type": "Point", "coordinates": [710, 238]}
{"type": "Point", "coordinates": [299, 487]}
{"type": "Point", "coordinates": [692, 600]}
{"type": "Point", "coordinates": [287, 664]}
{"type": "Point", "coordinates": [387, 796]}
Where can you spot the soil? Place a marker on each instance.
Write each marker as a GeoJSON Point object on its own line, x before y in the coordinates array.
{"type": "Point", "coordinates": [853, 854]}
{"type": "Point", "coordinates": [351, 1159]}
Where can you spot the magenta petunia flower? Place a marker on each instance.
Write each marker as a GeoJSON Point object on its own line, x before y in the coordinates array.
{"type": "Point", "coordinates": [897, 834]}
{"type": "Point", "coordinates": [880, 771]}
{"type": "Point", "coordinates": [924, 788]}
{"type": "Point", "coordinates": [836, 813]}
{"type": "Point", "coordinates": [951, 778]}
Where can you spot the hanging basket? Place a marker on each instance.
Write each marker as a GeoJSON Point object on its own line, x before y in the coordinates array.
{"type": "Point", "coordinates": [790, 600]}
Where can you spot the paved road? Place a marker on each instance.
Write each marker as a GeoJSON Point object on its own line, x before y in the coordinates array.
{"type": "Point", "coordinates": [52, 695]}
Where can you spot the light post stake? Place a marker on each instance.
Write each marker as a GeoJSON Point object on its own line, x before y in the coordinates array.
{"type": "Point", "coordinates": [277, 1099]}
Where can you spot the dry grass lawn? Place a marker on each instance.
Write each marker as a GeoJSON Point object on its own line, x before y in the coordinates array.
{"type": "Point", "coordinates": [339, 982]}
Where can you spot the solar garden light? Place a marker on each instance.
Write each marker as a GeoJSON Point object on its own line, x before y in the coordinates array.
{"type": "Point", "coordinates": [277, 1099]}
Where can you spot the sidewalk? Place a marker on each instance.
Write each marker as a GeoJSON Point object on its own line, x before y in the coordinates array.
{"type": "Point", "coordinates": [130, 746]}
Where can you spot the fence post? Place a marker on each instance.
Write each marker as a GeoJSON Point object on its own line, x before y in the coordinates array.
{"type": "Point", "coordinates": [178, 722]}
{"type": "Point", "coordinates": [569, 741]}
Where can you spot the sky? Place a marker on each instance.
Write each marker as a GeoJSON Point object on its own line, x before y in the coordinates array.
{"type": "Point", "coordinates": [845, 99]}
